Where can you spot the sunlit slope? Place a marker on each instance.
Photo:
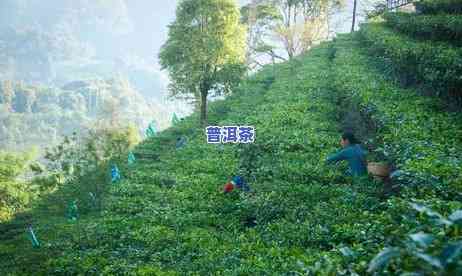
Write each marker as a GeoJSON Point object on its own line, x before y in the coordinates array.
{"type": "Point", "coordinates": [168, 216]}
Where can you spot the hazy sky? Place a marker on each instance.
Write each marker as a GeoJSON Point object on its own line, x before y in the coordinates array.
{"type": "Point", "coordinates": [153, 25]}
{"type": "Point", "coordinates": [150, 20]}
{"type": "Point", "coordinates": [125, 30]}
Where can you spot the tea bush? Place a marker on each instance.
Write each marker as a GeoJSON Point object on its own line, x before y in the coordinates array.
{"type": "Point", "coordinates": [436, 65]}
{"type": "Point", "coordinates": [440, 27]}
{"type": "Point", "coordinates": [434, 249]}
{"type": "Point", "coordinates": [439, 6]}
{"type": "Point", "coordinates": [421, 138]}
{"type": "Point", "coordinates": [168, 215]}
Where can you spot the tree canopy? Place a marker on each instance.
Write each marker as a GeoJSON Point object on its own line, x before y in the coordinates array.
{"type": "Point", "coordinates": [205, 50]}
{"type": "Point", "coordinates": [294, 25]}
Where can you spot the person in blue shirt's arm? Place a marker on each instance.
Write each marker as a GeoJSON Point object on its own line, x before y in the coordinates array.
{"type": "Point", "coordinates": [352, 153]}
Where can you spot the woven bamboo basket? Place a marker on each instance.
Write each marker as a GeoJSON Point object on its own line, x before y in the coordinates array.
{"type": "Point", "coordinates": [378, 169]}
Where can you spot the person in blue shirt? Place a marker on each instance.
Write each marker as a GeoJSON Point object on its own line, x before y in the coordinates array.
{"type": "Point", "coordinates": [240, 183]}
{"type": "Point", "coordinates": [352, 153]}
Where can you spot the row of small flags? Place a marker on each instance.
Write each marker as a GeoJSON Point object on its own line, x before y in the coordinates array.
{"type": "Point", "coordinates": [72, 210]}
{"type": "Point", "coordinates": [151, 130]}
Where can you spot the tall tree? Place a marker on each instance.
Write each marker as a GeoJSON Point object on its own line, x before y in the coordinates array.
{"type": "Point", "coordinates": [261, 18]}
{"type": "Point", "coordinates": [205, 50]}
{"type": "Point", "coordinates": [304, 23]}
{"type": "Point", "coordinates": [296, 24]}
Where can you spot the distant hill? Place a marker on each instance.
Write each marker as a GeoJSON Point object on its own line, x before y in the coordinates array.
{"type": "Point", "coordinates": [41, 115]}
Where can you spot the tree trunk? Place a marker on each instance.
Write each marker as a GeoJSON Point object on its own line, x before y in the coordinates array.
{"type": "Point", "coordinates": [204, 92]}
{"type": "Point", "coordinates": [354, 16]}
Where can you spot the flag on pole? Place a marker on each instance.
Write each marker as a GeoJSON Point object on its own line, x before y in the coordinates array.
{"type": "Point", "coordinates": [175, 119]}
{"type": "Point", "coordinates": [131, 158]}
{"type": "Point", "coordinates": [93, 199]}
{"type": "Point", "coordinates": [151, 130]}
{"type": "Point", "coordinates": [35, 242]}
{"type": "Point", "coordinates": [72, 210]}
{"type": "Point", "coordinates": [115, 174]}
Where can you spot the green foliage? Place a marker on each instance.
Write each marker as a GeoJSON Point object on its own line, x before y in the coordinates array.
{"type": "Point", "coordinates": [439, 6]}
{"type": "Point", "coordinates": [205, 49]}
{"type": "Point", "coordinates": [168, 216]}
{"type": "Point", "coordinates": [437, 65]}
{"type": "Point", "coordinates": [15, 193]}
{"type": "Point", "coordinates": [42, 116]}
{"type": "Point", "coordinates": [264, 15]}
{"type": "Point", "coordinates": [80, 165]}
{"type": "Point", "coordinates": [415, 133]}
{"type": "Point", "coordinates": [159, 213]}
{"type": "Point", "coordinates": [434, 27]}
{"type": "Point", "coordinates": [382, 259]}
{"type": "Point", "coordinates": [436, 252]}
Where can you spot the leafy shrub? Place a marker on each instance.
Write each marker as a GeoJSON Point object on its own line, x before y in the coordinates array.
{"type": "Point", "coordinates": [439, 6]}
{"type": "Point", "coordinates": [78, 168]}
{"type": "Point", "coordinates": [437, 251]}
{"type": "Point", "coordinates": [415, 133]}
{"type": "Point", "coordinates": [436, 65]}
{"type": "Point", "coordinates": [15, 191]}
{"type": "Point", "coordinates": [434, 27]}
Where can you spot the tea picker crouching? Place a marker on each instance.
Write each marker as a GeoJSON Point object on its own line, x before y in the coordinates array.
{"type": "Point", "coordinates": [353, 153]}
{"type": "Point", "coordinates": [237, 182]}
{"type": "Point", "coordinates": [240, 183]}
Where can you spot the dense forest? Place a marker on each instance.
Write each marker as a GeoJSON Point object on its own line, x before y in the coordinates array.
{"type": "Point", "coordinates": [104, 192]}
{"type": "Point", "coordinates": [64, 62]}
{"type": "Point", "coordinates": [40, 115]}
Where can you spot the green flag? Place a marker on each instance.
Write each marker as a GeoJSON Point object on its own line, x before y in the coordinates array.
{"type": "Point", "coordinates": [151, 130]}
{"type": "Point", "coordinates": [93, 199]}
{"type": "Point", "coordinates": [175, 119]}
{"type": "Point", "coordinates": [131, 158]}
{"type": "Point", "coordinates": [35, 242]}
{"type": "Point", "coordinates": [115, 174]}
{"type": "Point", "coordinates": [72, 211]}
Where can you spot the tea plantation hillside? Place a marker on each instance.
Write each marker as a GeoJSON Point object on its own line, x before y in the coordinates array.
{"type": "Point", "coordinates": [168, 216]}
